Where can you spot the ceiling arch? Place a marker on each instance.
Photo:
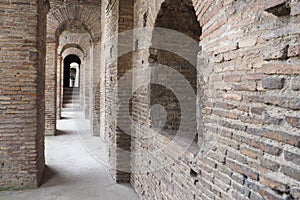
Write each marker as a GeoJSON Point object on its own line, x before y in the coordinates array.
{"type": "Point", "coordinates": [73, 16]}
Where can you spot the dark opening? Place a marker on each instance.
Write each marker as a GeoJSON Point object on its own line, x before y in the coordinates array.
{"type": "Point", "coordinates": [69, 72]}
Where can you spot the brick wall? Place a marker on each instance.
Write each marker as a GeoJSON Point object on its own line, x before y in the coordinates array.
{"type": "Point", "coordinates": [118, 18]}
{"type": "Point", "coordinates": [247, 82]}
{"type": "Point", "coordinates": [22, 42]}
{"type": "Point", "coordinates": [250, 66]}
{"type": "Point", "coordinates": [95, 92]}
{"type": "Point", "coordinates": [50, 92]}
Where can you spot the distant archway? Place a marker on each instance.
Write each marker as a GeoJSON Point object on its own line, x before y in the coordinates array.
{"type": "Point", "coordinates": [71, 71]}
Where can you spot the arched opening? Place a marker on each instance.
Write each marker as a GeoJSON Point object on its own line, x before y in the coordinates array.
{"type": "Point", "coordinates": [71, 81]}
{"type": "Point", "coordinates": [72, 71]}
{"type": "Point", "coordinates": [179, 16]}
{"type": "Point", "coordinates": [74, 75]}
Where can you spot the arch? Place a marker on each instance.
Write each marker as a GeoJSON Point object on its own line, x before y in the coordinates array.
{"type": "Point", "coordinates": [58, 20]}
{"type": "Point", "coordinates": [67, 68]}
{"type": "Point", "coordinates": [74, 26]}
{"type": "Point", "coordinates": [77, 40]}
{"type": "Point", "coordinates": [67, 46]}
{"type": "Point", "coordinates": [178, 15]}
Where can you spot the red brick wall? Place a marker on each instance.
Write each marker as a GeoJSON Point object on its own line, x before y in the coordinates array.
{"type": "Point", "coordinates": [250, 64]}
{"type": "Point", "coordinates": [22, 93]}
{"type": "Point", "coordinates": [50, 92]}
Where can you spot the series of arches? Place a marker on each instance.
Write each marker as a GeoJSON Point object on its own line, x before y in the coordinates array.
{"type": "Point", "coordinates": [76, 21]}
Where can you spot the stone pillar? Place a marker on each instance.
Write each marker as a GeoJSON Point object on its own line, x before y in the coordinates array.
{"type": "Point", "coordinates": [50, 92]}
{"type": "Point", "coordinates": [22, 87]}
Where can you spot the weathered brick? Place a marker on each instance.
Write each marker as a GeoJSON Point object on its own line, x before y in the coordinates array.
{"type": "Point", "coordinates": [273, 83]}
{"type": "Point", "coordinates": [232, 78]}
{"type": "Point", "coordinates": [242, 169]}
{"type": "Point", "coordinates": [292, 157]}
{"type": "Point", "coordinates": [269, 194]}
{"type": "Point", "coordinates": [232, 96]}
{"type": "Point", "coordinates": [253, 76]}
{"type": "Point", "coordinates": [251, 152]}
{"type": "Point", "coordinates": [267, 119]}
{"type": "Point", "coordinates": [294, 50]}
{"type": "Point", "coordinates": [250, 120]}
{"type": "Point", "coordinates": [282, 137]}
{"type": "Point", "coordinates": [284, 102]}
{"type": "Point", "coordinates": [274, 184]}
{"type": "Point", "coordinates": [291, 172]}
{"type": "Point", "coordinates": [249, 42]}
{"type": "Point", "coordinates": [295, 84]}
{"type": "Point", "coordinates": [245, 87]}
{"type": "Point", "coordinates": [288, 69]}
{"type": "Point", "coordinates": [257, 110]}
{"type": "Point", "coordinates": [293, 121]}
{"type": "Point", "coordinates": [269, 164]}
{"type": "Point", "coordinates": [278, 53]}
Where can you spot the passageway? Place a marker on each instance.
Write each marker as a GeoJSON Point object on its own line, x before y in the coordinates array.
{"type": "Point", "coordinates": [76, 167]}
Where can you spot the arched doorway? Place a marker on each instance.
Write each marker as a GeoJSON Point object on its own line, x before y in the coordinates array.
{"type": "Point", "coordinates": [72, 71]}
{"type": "Point", "coordinates": [71, 81]}
{"type": "Point", "coordinates": [175, 18]}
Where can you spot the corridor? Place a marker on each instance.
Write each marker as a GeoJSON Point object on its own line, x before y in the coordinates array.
{"type": "Point", "coordinates": [76, 167]}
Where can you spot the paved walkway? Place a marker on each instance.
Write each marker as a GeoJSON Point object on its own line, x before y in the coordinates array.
{"type": "Point", "coordinates": [76, 168]}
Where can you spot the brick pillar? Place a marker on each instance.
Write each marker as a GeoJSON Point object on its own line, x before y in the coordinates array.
{"type": "Point", "coordinates": [22, 108]}
{"type": "Point", "coordinates": [103, 82]}
{"type": "Point", "coordinates": [91, 88]}
{"type": "Point", "coordinates": [82, 85]}
{"type": "Point", "coordinates": [123, 140]}
{"type": "Point", "coordinates": [86, 85]}
{"type": "Point", "coordinates": [95, 91]}
{"type": "Point", "coordinates": [50, 83]}
{"type": "Point", "coordinates": [59, 87]}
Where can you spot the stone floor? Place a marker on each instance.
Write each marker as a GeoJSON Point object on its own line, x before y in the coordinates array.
{"type": "Point", "coordinates": [76, 167]}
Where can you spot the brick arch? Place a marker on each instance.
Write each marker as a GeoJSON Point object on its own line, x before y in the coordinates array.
{"type": "Point", "coordinates": [179, 16]}
{"type": "Point", "coordinates": [205, 11]}
{"type": "Point", "coordinates": [60, 17]}
{"type": "Point", "coordinates": [71, 46]}
{"type": "Point", "coordinates": [81, 41]}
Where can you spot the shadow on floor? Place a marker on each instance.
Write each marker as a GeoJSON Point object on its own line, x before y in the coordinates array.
{"type": "Point", "coordinates": [62, 118]}
{"type": "Point", "coordinates": [49, 174]}
{"type": "Point", "coordinates": [60, 132]}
